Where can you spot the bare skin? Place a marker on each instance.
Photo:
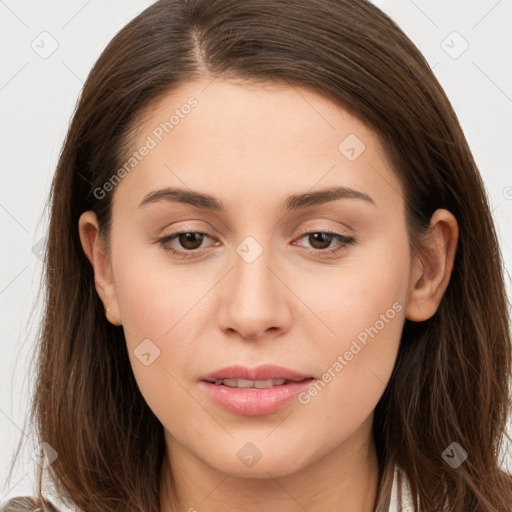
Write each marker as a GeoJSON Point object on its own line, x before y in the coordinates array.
{"type": "Point", "coordinates": [294, 305]}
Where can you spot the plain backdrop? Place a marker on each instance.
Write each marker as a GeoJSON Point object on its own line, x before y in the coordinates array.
{"type": "Point", "coordinates": [47, 50]}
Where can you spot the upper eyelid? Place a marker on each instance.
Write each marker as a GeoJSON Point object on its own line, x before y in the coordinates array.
{"type": "Point", "coordinates": [301, 234]}
{"type": "Point", "coordinates": [345, 230]}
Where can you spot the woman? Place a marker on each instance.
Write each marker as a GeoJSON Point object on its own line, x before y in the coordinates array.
{"type": "Point", "coordinates": [273, 279]}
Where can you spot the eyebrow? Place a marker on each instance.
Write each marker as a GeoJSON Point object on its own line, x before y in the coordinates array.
{"type": "Point", "coordinates": [292, 202]}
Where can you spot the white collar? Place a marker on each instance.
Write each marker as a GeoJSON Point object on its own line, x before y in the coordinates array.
{"type": "Point", "coordinates": [401, 496]}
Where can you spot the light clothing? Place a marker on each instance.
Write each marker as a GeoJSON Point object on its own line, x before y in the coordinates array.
{"type": "Point", "coordinates": [401, 496]}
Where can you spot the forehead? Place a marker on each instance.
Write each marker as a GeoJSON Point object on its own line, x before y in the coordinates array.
{"type": "Point", "coordinates": [225, 136]}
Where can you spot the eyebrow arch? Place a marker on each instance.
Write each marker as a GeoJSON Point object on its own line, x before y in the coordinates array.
{"type": "Point", "coordinates": [293, 202]}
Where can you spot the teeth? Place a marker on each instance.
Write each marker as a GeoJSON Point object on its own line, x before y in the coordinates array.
{"type": "Point", "coordinates": [244, 383]}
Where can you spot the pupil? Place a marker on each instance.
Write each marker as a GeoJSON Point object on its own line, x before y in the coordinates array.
{"type": "Point", "coordinates": [321, 237]}
{"type": "Point", "coordinates": [190, 237]}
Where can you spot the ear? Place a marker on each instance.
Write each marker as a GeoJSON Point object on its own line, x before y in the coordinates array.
{"type": "Point", "coordinates": [431, 272]}
{"type": "Point", "coordinates": [97, 254]}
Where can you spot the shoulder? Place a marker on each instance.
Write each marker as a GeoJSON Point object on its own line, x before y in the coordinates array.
{"type": "Point", "coordinates": [27, 504]}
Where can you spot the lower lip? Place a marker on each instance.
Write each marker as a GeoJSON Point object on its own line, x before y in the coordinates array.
{"type": "Point", "coordinates": [253, 401]}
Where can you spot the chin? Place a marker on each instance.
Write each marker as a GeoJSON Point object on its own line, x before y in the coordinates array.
{"type": "Point", "coordinates": [248, 461]}
{"type": "Point", "coordinates": [277, 468]}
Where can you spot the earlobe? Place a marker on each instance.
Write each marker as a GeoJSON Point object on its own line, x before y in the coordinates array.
{"type": "Point", "coordinates": [430, 276]}
{"type": "Point", "coordinates": [113, 321]}
{"type": "Point", "coordinates": [97, 254]}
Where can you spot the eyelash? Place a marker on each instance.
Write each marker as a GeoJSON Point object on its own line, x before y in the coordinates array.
{"type": "Point", "coordinates": [346, 241]}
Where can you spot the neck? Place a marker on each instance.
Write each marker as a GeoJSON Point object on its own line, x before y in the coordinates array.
{"type": "Point", "coordinates": [344, 479]}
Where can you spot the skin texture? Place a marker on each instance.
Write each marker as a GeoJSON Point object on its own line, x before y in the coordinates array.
{"type": "Point", "coordinates": [252, 146]}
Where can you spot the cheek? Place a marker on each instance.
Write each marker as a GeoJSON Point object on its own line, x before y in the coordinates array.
{"type": "Point", "coordinates": [362, 297]}
{"type": "Point", "coordinates": [158, 334]}
{"type": "Point", "coordinates": [155, 297]}
{"type": "Point", "coordinates": [364, 308]}
{"type": "Point", "coordinates": [160, 317]}
{"type": "Point", "coordinates": [165, 311]}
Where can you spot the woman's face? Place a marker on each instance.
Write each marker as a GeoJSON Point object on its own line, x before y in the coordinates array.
{"type": "Point", "coordinates": [265, 284]}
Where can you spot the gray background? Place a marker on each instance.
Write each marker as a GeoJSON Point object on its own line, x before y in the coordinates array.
{"type": "Point", "coordinates": [38, 91]}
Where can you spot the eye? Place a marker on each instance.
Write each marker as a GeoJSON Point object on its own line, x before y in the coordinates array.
{"type": "Point", "coordinates": [190, 241]}
{"type": "Point", "coordinates": [321, 242]}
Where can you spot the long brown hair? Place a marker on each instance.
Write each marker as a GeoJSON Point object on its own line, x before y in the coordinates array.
{"type": "Point", "coordinates": [450, 381]}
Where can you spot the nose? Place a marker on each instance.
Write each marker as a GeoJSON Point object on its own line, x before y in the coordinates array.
{"type": "Point", "coordinates": [254, 299]}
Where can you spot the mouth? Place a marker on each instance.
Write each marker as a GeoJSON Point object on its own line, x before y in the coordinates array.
{"type": "Point", "coordinates": [255, 391]}
{"type": "Point", "coordinates": [265, 375]}
{"type": "Point", "coordinates": [255, 384]}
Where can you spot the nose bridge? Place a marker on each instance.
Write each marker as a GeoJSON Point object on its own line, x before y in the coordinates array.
{"type": "Point", "coordinates": [253, 281]}
{"type": "Point", "coordinates": [253, 300]}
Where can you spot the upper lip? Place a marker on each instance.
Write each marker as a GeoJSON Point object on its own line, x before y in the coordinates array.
{"type": "Point", "coordinates": [262, 372]}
